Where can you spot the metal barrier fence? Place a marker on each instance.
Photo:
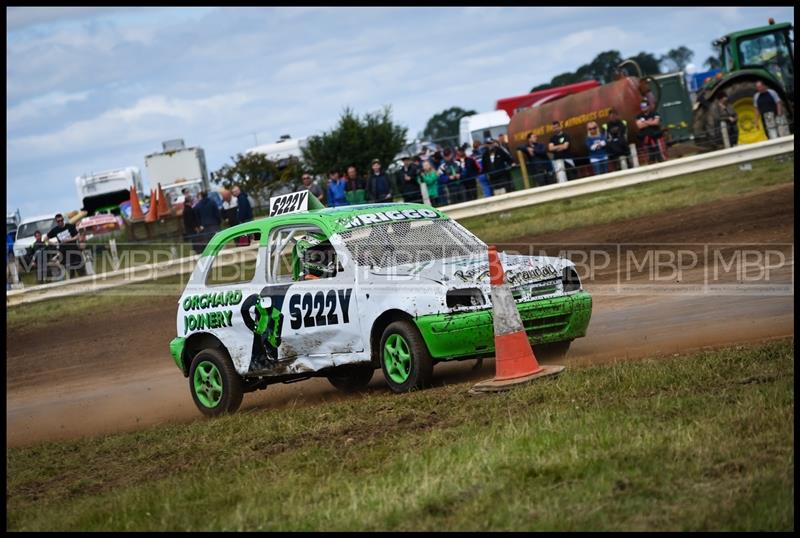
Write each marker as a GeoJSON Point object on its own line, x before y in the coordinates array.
{"type": "Point", "coordinates": [469, 206]}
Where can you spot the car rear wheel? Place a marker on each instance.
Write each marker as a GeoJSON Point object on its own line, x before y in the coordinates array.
{"type": "Point", "coordinates": [406, 363]}
{"type": "Point", "coordinates": [215, 386]}
{"type": "Point", "coordinates": [352, 378]}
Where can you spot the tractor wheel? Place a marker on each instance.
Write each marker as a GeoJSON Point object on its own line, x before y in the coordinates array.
{"type": "Point", "coordinates": [740, 96]}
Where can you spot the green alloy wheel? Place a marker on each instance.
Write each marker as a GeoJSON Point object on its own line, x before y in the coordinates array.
{"type": "Point", "coordinates": [407, 365]}
{"type": "Point", "coordinates": [215, 386]}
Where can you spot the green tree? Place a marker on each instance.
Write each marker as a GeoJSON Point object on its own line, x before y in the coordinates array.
{"type": "Point", "coordinates": [257, 175]}
{"type": "Point", "coordinates": [355, 141]}
{"type": "Point", "coordinates": [604, 66]}
{"type": "Point", "coordinates": [712, 62]}
{"type": "Point", "coordinates": [648, 63]}
{"type": "Point", "coordinates": [677, 59]}
{"type": "Point", "coordinates": [442, 128]}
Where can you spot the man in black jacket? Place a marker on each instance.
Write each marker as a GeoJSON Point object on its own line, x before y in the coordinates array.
{"type": "Point", "coordinates": [497, 164]}
{"type": "Point", "coordinates": [378, 189]}
{"type": "Point", "coordinates": [191, 225]}
{"type": "Point", "coordinates": [409, 186]}
{"type": "Point", "coordinates": [537, 161]}
{"type": "Point", "coordinates": [209, 216]}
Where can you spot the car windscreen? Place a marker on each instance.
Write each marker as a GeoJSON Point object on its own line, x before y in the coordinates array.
{"type": "Point", "coordinates": [396, 243]}
{"type": "Point", "coordinates": [29, 228]}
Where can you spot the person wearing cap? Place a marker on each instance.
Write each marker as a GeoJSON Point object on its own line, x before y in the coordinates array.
{"type": "Point", "coordinates": [560, 146]}
{"type": "Point", "coordinates": [477, 153]}
{"type": "Point", "coordinates": [378, 189]}
{"type": "Point", "coordinates": [650, 135]}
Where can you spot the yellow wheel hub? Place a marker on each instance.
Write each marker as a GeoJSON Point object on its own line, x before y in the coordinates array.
{"type": "Point", "coordinates": [750, 128]}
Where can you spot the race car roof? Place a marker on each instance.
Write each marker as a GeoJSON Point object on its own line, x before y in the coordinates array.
{"type": "Point", "coordinates": [332, 219]}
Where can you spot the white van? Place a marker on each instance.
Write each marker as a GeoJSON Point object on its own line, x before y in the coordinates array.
{"type": "Point", "coordinates": [482, 126]}
{"type": "Point", "coordinates": [26, 229]}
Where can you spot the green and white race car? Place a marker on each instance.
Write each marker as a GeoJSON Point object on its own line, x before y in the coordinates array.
{"type": "Point", "coordinates": [340, 292]}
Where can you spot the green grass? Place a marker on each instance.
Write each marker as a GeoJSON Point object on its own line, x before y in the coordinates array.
{"type": "Point", "coordinates": [697, 442]}
{"type": "Point", "coordinates": [631, 202]}
{"type": "Point", "coordinates": [42, 313]}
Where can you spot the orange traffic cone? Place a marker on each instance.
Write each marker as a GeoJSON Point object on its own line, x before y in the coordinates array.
{"type": "Point", "coordinates": [136, 209]}
{"type": "Point", "coordinates": [164, 209]}
{"type": "Point", "coordinates": [152, 213]}
{"type": "Point", "coordinates": [515, 363]}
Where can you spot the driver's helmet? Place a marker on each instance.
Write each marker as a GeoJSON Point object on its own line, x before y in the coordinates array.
{"type": "Point", "coordinates": [312, 255]}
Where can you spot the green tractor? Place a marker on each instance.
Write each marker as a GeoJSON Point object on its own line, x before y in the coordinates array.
{"type": "Point", "coordinates": [765, 54]}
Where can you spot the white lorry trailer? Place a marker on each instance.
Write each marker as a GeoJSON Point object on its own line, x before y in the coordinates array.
{"type": "Point", "coordinates": [177, 167]}
{"type": "Point", "coordinates": [482, 126]}
{"type": "Point", "coordinates": [104, 191]}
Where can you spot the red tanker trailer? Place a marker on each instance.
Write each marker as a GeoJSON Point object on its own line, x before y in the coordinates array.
{"type": "Point", "coordinates": [574, 111]}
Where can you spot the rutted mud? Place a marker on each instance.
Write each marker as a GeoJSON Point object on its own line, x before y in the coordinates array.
{"type": "Point", "coordinates": [97, 376]}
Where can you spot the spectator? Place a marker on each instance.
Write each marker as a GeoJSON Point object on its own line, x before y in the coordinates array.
{"type": "Point", "coordinates": [560, 147]}
{"type": "Point", "coordinates": [596, 143]}
{"type": "Point", "coordinates": [470, 172]}
{"type": "Point", "coordinates": [451, 171]}
{"type": "Point", "coordinates": [311, 186]}
{"type": "Point", "coordinates": [67, 236]}
{"type": "Point", "coordinates": [431, 180]}
{"type": "Point", "coordinates": [616, 133]}
{"type": "Point", "coordinates": [723, 111]}
{"type": "Point", "coordinates": [354, 189]}
{"type": "Point", "coordinates": [243, 204]}
{"type": "Point", "coordinates": [769, 107]}
{"type": "Point", "coordinates": [537, 161]}
{"type": "Point", "coordinates": [426, 153]}
{"type": "Point", "coordinates": [38, 257]}
{"type": "Point", "coordinates": [502, 141]}
{"type": "Point", "coordinates": [208, 215]}
{"type": "Point", "coordinates": [378, 188]}
{"type": "Point", "coordinates": [191, 225]}
{"type": "Point", "coordinates": [336, 189]}
{"type": "Point", "coordinates": [409, 186]}
{"type": "Point", "coordinates": [230, 209]}
{"type": "Point", "coordinates": [477, 153]}
{"type": "Point", "coordinates": [650, 135]}
{"type": "Point", "coordinates": [497, 164]}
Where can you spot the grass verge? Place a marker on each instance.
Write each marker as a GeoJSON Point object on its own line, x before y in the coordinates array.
{"type": "Point", "coordinates": [702, 441]}
{"type": "Point", "coordinates": [631, 202]}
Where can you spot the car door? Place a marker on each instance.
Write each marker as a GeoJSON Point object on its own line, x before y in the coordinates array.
{"type": "Point", "coordinates": [320, 322]}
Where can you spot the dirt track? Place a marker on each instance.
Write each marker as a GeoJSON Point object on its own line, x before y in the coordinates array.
{"type": "Point", "coordinates": [93, 376]}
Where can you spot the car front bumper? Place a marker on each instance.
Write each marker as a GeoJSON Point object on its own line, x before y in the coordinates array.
{"type": "Point", "coordinates": [464, 334]}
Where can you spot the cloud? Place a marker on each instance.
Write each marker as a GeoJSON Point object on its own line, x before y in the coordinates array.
{"type": "Point", "coordinates": [18, 18]}
{"type": "Point", "coordinates": [42, 105]}
{"type": "Point", "coordinates": [133, 124]}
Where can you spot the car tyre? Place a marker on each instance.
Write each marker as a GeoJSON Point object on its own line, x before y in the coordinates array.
{"type": "Point", "coordinates": [215, 386]}
{"type": "Point", "coordinates": [352, 378]}
{"type": "Point", "coordinates": [406, 363]}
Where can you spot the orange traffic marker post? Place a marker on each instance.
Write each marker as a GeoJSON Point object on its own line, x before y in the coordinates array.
{"type": "Point", "coordinates": [515, 363]}
{"type": "Point", "coordinates": [136, 208]}
{"type": "Point", "coordinates": [164, 209]}
{"type": "Point", "coordinates": [152, 213]}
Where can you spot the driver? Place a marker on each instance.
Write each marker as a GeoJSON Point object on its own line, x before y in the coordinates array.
{"type": "Point", "coordinates": [313, 257]}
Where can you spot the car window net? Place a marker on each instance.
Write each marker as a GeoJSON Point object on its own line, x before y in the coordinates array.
{"type": "Point", "coordinates": [397, 243]}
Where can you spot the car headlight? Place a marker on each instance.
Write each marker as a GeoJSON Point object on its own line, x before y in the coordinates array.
{"type": "Point", "coordinates": [569, 277]}
{"type": "Point", "coordinates": [465, 297]}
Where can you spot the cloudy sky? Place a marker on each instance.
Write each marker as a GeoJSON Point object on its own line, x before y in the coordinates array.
{"type": "Point", "coordinates": [91, 89]}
